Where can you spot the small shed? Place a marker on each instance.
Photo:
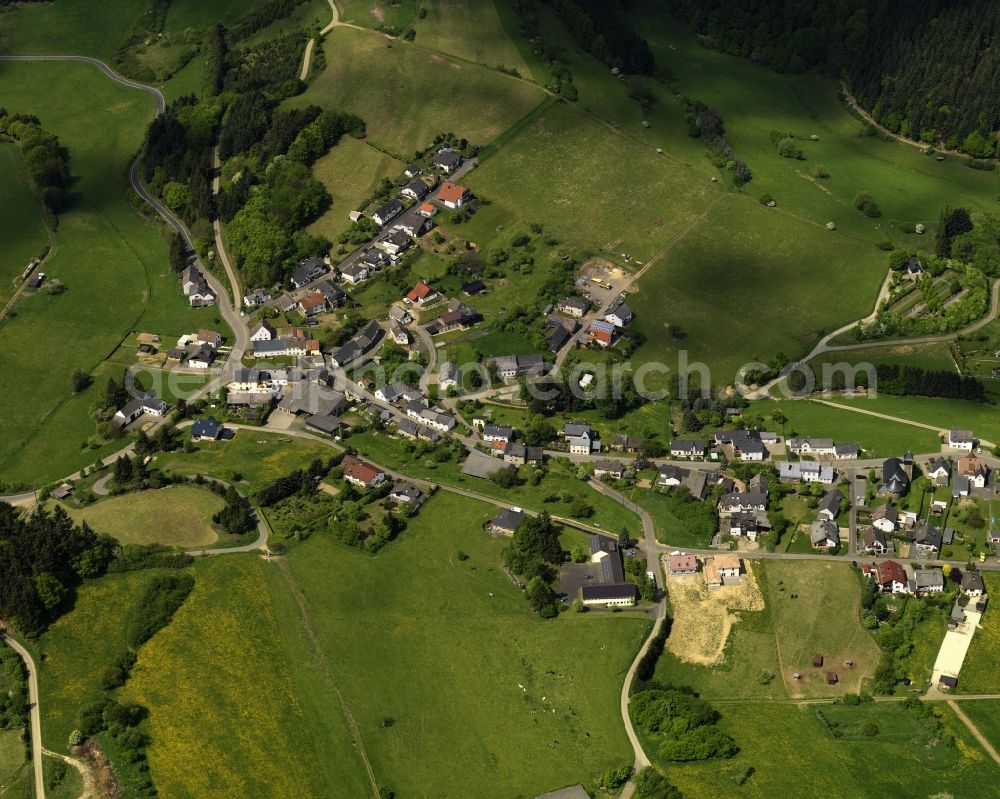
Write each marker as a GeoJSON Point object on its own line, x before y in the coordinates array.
{"type": "Point", "coordinates": [62, 491]}
{"type": "Point", "coordinates": [818, 660]}
{"type": "Point", "coordinates": [947, 681]}
{"type": "Point", "coordinates": [831, 678]}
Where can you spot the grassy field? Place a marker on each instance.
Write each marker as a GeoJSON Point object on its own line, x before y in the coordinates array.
{"type": "Point", "coordinates": [469, 30]}
{"type": "Point", "coordinates": [985, 714]}
{"type": "Point", "coordinates": [982, 418]}
{"type": "Point", "coordinates": [454, 692]}
{"type": "Point", "coordinates": [219, 683]}
{"type": "Point", "coordinates": [113, 264]}
{"type": "Point", "coordinates": [979, 673]}
{"type": "Point", "coordinates": [350, 172]}
{"type": "Point", "coordinates": [878, 437]}
{"type": "Point", "coordinates": [179, 516]}
{"type": "Point", "coordinates": [783, 638]}
{"type": "Point", "coordinates": [407, 95]}
{"type": "Point", "coordinates": [669, 528]}
{"type": "Point", "coordinates": [79, 646]}
{"type": "Point", "coordinates": [743, 256]}
{"type": "Point", "coordinates": [24, 232]}
{"type": "Point", "coordinates": [246, 679]}
{"type": "Point", "coordinates": [15, 772]}
{"type": "Point", "coordinates": [558, 170]}
{"type": "Point", "coordinates": [927, 356]}
{"type": "Point", "coordinates": [792, 753]}
{"type": "Point", "coordinates": [254, 457]}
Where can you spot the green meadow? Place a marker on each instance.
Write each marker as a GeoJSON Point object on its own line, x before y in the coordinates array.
{"type": "Point", "coordinates": [112, 262]}
{"type": "Point", "coordinates": [24, 232]}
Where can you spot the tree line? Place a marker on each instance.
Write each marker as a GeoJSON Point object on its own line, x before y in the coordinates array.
{"type": "Point", "coordinates": [43, 557]}
{"type": "Point", "coordinates": [45, 159]}
{"type": "Point", "coordinates": [924, 69]}
{"type": "Point", "coordinates": [604, 31]}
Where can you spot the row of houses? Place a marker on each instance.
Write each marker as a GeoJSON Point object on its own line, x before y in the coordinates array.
{"type": "Point", "coordinates": [892, 578]}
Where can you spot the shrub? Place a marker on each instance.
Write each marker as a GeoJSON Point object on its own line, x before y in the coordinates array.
{"type": "Point", "coordinates": [820, 172]}
{"type": "Point", "coordinates": [866, 204]}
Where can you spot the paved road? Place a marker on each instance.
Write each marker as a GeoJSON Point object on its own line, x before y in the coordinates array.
{"type": "Point", "coordinates": [220, 244]}
{"type": "Point", "coordinates": [35, 713]}
{"type": "Point", "coordinates": [824, 345]}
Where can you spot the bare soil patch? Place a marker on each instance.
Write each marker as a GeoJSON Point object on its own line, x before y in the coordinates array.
{"type": "Point", "coordinates": [703, 617]}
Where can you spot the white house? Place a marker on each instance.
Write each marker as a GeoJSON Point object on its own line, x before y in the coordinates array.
{"type": "Point", "coordinates": [687, 448]}
{"type": "Point", "coordinates": [806, 472]}
{"type": "Point", "coordinates": [262, 332]}
{"type": "Point", "coordinates": [137, 407]}
{"type": "Point", "coordinates": [448, 375]}
{"type": "Point", "coordinates": [961, 439]}
{"type": "Point", "coordinates": [812, 446]}
{"type": "Point", "coordinates": [885, 518]}
{"type": "Point", "coordinates": [619, 316]}
{"type": "Point", "coordinates": [354, 273]}
{"type": "Point", "coordinates": [386, 212]}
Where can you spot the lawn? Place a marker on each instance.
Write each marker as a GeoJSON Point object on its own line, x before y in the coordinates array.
{"type": "Point", "coordinates": [559, 484]}
{"type": "Point", "coordinates": [878, 437]}
{"type": "Point", "coordinates": [112, 262]}
{"type": "Point", "coordinates": [982, 418]}
{"type": "Point", "coordinates": [254, 457]}
{"type": "Point", "coordinates": [979, 671]}
{"type": "Point", "coordinates": [178, 516]}
{"type": "Point", "coordinates": [350, 172]}
{"type": "Point", "coordinates": [985, 714]}
{"type": "Point", "coordinates": [225, 684]}
{"type": "Point", "coordinates": [15, 771]}
{"type": "Point", "coordinates": [743, 255]}
{"type": "Point", "coordinates": [407, 95]}
{"type": "Point", "coordinates": [782, 639]}
{"type": "Point", "coordinates": [74, 652]}
{"type": "Point", "coordinates": [670, 529]}
{"type": "Point", "coordinates": [526, 707]}
{"type": "Point", "coordinates": [591, 187]}
{"type": "Point", "coordinates": [470, 30]}
{"type": "Point", "coordinates": [926, 356]}
{"type": "Point", "coordinates": [24, 232]}
{"type": "Point", "coordinates": [792, 753]}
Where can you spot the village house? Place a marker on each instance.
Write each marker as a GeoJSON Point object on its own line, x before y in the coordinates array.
{"type": "Point", "coordinates": [394, 243]}
{"type": "Point", "coordinates": [582, 439]}
{"type": "Point", "coordinates": [201, 356]}
{"type": "Point", "coordinates": [890, 576]}
{"type": "Point", "coordinates": [713, 579]}
{"type": "Point", "coordinates": [601, 333]}
{"type": "Point", "coordinates": [619, 316]}
{"type": "Point", "coordinates": [412, 170]}
{"type": "Point", "coordinates": [753, 499]}
{"type": "Point", "coordinates": [506, 522]}
{"type": "Point", "coordinates": [926, 540]}
{"type": "Point", "coordinates": [397, 392]}
{"type": "Point", "coordinates": [609, 468]}
{"type": "Point", "coordinates": [811, 446]}
{"type": "Point", "coordinates": [335, 296]}
{"type": "Point", "coordinates": [806, 472]}
{"type": "Point", "coordinates": [746, 445]}
{"type": "Point", "coordinates": [496, 432]}
{"type": "Point", "coordinates": [927, 581]}
{"type": "Point", "coordinates": [458, 317]}
{"type": "Point", "coordinates": [747, 524]}
{"type": "Point", "coordinates": [518, 454]}
{"type": "Point", "coordinates": [972, 584]}
{"type": "Point", "coordinates": [253, 381]}
{"type": "Point", "coordinates": [195, 288]}
{"type": "Point", "coordinates": [510, 367]}
{"type": "Point", "coordinates": [452, 196]}
{"type": "Point", "coordinates": [416, 190]}
{"type": "Point", "coordinates": [414, 228]}
{"type": "Point", "coordinates": [961, 439]}
{"type": "Point", "coordinates": [829, 506]}
{"type": "Point", "coordinates": [449, 375]}
{"type": "Point", "coordinates": [386, 212]}
{"type": "Point", "coordinates": [873, 542]}
{"type": "Point", "coordinates": [426, 210]}
{"type": "Point", "coordinates": [687, 448]}
{"type": "Point", "coordinates": [210, 337]}
{"type": "Point", "coordinates": [824, 534]}
{"type": "Point", "coordinates": [141, 406]}
{"type": "Point", "coordinates": [354, 273]}
{"type": "Point", "coordinates": [624, 443]}
{"type": "Point", "coordinates": [374, 259]}
{"type": "Point", "coordinates": [362, 474]}
{"type": "Point", "coordinates": [895, 479]}
{"type": "Point", "coordinates": [262, 331]}
{"type": "Point", "coordinates": [885, 518]}
{"type": "Point", "coordinates": [366, 338]}
{"type": "Point", "coordinates": [447, 160]}
{"type": "Point", "coordinates": [407, 495]}
{"type": "Point", "coordinates": [573, 306]}
{"type": "Point", "coordinates": [398, 333]}
{"type": "Point", "coordinates": [682, 564]}
{"type": "Point", "coordinates": [207, 429]}
{"type": "Point", "coordinates": [728, 565]}
{"type": "Point", "coordinates": [307, 271]}
{"type": "Point", "coordinates": [421, 294]}
{"type": "Point", "coordinates": [256, 298]}
{"type": "Point", "coordinates": [313, 303]}
{"type": "Point", "coordinates": [939, 472]}
{"type": "Point", "coordinates": [977, 472]}
{"type": "Point", "coordinates": [670, 476]}
{"type": "Point", "coordinates": [433, 418]}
